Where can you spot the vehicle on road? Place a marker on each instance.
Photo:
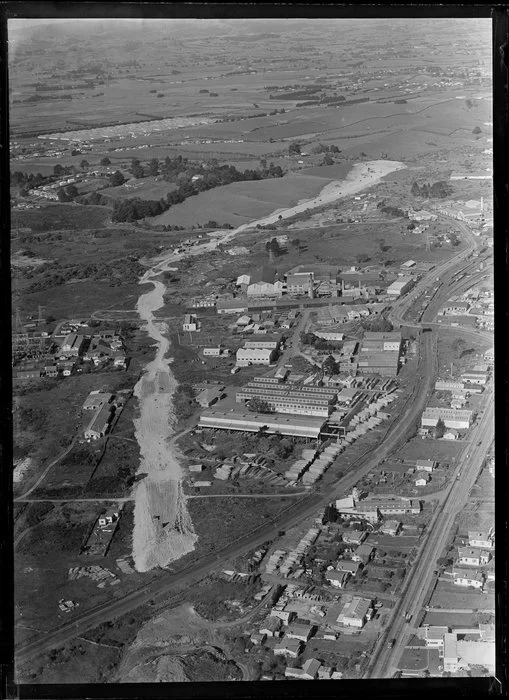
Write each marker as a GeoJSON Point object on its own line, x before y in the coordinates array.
{"type": "Point", "coordinates": [391, 643]}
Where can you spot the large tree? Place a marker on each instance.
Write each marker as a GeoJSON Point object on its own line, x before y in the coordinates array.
{"type": "Point", "coordinates": [117, 179]}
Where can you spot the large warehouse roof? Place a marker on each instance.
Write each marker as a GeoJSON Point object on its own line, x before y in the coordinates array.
{"type": "Point", "coordinates": [299, 426]}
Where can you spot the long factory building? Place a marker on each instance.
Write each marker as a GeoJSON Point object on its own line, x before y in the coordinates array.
{"type": "Point", "coordinates": [302, 400]}
{"type": "Point", "coordinates": [298, 426]}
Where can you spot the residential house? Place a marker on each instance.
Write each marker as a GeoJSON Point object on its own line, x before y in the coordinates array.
{"type": "Point", "coordinates": [356, 537]}
{"type": "Point", "coordinates": [108, 518]}
{"type": "Point", "coordinates": [425, 465]}
{"type": "Point", "coordinates": [190, 323]}
{"type": "Point", "coordinates": [288, 647]}
{"type": "Point", "coordinates": [258, 638]}
{"type": "Point", "coordinates": [286, 616]}
{"type": "Point", "coordinates": [99, 351]}
{"type": "Point", "coordinates": [364, 553]}
{"type": "Point", "coordinates": [422, 479]}
{"type": "Point", "coordinates": [301, 632]}
{"type": "Point", "coordinates": [271, 626]}
{"type": "Point", "coordinates": [311, 668]}
{"type": "Point", "coordinates": [119, 358]}
{"type": "Point", "coordinates": [484, 539]}
{"type": "Point", "coordinates": [391, 527]}
{"type": "Point", "coordinates": [463, 577]}
{"type": "Point", "coordinates": [66, 367]}
{"type": "Point", "coordinates": [348, 566]}
{"type": "Point", "coordinates": [473, 557]}
{"type": "Point", "coordinates": [434, 637]}
{"type": "Point", "coordinates": [337, 579]}
{"type": "Point", "coordinates": [451, 435]}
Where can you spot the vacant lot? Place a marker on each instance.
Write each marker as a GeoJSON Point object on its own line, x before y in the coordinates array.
{"type": "Point", "coordinates": [447, 595]}
{"type": "Point", "coordinates": [452, 620]}
{"type": "Point", "coordinates": [438, 450]}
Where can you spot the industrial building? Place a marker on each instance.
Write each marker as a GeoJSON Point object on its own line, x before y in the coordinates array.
{"type": "Point", "coordinates": [448, 385]}
{"type": "Point", "coordinates": [355, 612]}
{"type": "Point", "coordinates": [400, 286]}
{"type": "Point", "coordinates": [73, 344]}
{"type": "Point", "coordinates": [95, 400]}
{"type": "Point", "coordinates": [475, 377]}
{"type": "Point", "coordinates": [255, 356]}
{"type": "Point", "coordinates": [298, 426]}
{"type": "Point", "coordinates": [269, 342]}
{"type": "Point", "coordinates": [384, 363]}
{"type": "Point", "coordinates": [393, 506]}
{"type": "Point", "coordinates": [263, 283]}
{"type": "Point", "coordinates": [303, 400]}
{"type": "Point", "coordinates": [452, 418]}
{"type": "Point", "coordinates": [388, 340]}
{"type": "Point", "coordinates": [100, 423]}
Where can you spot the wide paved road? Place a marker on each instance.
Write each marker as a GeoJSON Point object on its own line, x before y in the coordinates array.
{"type": "Point", "coordinates": [420, 577]}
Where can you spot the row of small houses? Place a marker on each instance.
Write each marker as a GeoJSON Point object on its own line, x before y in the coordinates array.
{"type": "Point", "coordinates": [477, 554]}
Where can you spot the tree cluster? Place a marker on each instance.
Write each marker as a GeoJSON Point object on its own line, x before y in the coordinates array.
{"type": "Point", "coordinates": [379, 325]}
{"type": "Point", "coordinates": [212, 176]}
{"type": "Point", "coordinates": [438, 190]}
{"type": "Point", "coordinates": [324, 148]}
{"type": "Point", "coordinates": [319, 343]}
{"type": "Point", "coordinates": [256, 405]}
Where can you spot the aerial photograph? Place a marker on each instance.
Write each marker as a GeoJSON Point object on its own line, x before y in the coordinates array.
{"type": "Point", "coordinates": [252, 349]}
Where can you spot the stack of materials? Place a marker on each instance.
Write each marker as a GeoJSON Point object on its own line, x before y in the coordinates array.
{"type": "Point", "coordinates": [274, 560]}
{"type": "Point", "coordinates": [295, 556]}
{"type": "Point", "coordinates": [299, 467]}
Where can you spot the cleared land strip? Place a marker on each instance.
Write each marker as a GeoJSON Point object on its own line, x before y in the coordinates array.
{"type": "Point", "coordinates": [126, 499]}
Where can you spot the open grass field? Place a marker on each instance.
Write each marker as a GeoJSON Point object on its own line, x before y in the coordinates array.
{"type": "Point", "coordinates": [242, 202]}
{"type": "Point", "coordinates": [145, 188]}
{"type": "Point", "coordinates": [81, 298]}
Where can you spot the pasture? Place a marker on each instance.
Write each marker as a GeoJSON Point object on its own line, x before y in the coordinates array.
{"type": "Point", "coordinates": [242, 202]}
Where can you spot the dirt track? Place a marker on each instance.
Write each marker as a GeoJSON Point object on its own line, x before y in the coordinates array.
{"type": "Point", "coordinates": [163, 530]}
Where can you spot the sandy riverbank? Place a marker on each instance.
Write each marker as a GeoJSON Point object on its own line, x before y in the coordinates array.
{"type": "Point", "coordinates": [362, 176]}
{"type": "Point", "coordinates": [163, 530]}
